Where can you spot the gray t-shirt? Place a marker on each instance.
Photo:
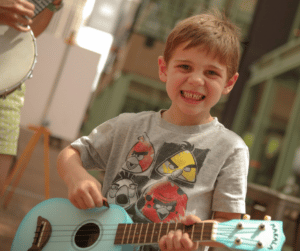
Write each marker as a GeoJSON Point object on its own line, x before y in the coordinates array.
{"type": "Point", "coordinates": [159, 172]}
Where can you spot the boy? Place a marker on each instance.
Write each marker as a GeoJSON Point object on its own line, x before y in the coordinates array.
{"type": "Point", "coordinates": [178, 164]}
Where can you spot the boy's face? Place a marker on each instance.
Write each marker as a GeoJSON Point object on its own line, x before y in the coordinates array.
{"type": "Point", "coordinates": [195, 82]}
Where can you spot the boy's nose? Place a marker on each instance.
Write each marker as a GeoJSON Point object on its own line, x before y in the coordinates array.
{"type": "Point", "coordinates": [197, 79]}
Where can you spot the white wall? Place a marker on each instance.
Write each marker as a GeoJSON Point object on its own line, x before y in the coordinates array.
{"type": "Point", "coordinates": [72, 95]}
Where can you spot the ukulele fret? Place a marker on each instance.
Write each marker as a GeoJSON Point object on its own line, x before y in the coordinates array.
{"type": "Point", "coordinates": [146, 233]}
{"type": "Point", "coordinates": [134, 233]}
{"type": "Point", "coordinates": [152, 232]}
{"type": "Point", "coordinates": [148, 238]}
{"type": "Point", "coordinates": [139, 231]}
{"type": "Point", "coordinates": [192, 235]}
{"type": "Point", "coordinates": [124, 234]}
{"type": "Point", "coordinates": [208, 230]}
{"type": "Point", "coordinates": [164, 229]}
{"type": "Point", "coordinates": [202, 231]}
{"type": "Point", "coordinates": [156, 232]}
{"type": "Point", "coordinates": [159, 231]}
{"type": "Point", "coordinates": [129, 233]}
{"type": "Point", "coordinates": [171, 227]}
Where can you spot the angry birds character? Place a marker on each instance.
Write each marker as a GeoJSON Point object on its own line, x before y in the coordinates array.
{"type": "Point", "coordinates": [181, 163]}
{"type": "Point", "coordinates": [163, 202]}
{"type": "Point", "coordinates": [123, 191]}
{"type": "Point", "coordinates": [140, 156]}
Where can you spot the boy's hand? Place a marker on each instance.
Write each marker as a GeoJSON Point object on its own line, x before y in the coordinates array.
{"type": "Point", "coordinates": [84, 192]}
{"type": "Point", "coordinates": [177, 241]}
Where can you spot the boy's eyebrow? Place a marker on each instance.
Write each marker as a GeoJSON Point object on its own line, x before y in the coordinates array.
{"type": "Point", "coordinates": [183, 61]}
{"type": "Point", "coordinates": [188, 61]}
{"type": "Point", "coordinates": [216, 67]}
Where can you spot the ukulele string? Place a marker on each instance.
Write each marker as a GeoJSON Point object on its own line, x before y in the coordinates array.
{"type": "Point", "coordinates": [114, 229]}
{"type": "Point", "coordinates": [137, 226]}
{"type": "Point", "coordinates": [110, 234]}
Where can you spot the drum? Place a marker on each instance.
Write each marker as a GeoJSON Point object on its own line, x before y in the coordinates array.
{"type": "Point", "coordinates": [18, 54]}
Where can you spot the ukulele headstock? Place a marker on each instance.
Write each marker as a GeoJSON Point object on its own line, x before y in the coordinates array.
{"type": "Point", "coordinates": [246, 234]}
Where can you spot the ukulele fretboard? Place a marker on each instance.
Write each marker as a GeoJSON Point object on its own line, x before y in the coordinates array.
{"type": "Point", "coordinates": [40, 5]}
{"type": "Point", "coordinates": [147, 233]}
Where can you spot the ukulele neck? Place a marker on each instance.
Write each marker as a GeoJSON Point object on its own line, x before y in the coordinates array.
{"type": "Point", "coordinates": [149, 233]}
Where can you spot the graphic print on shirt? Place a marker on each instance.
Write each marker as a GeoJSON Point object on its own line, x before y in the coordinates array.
{"type": "Point", "coordinates": [179, 162]}
{"type": "Point", "coordinates": [162, 202]}
{"type": "Point", "coordinates": [123, 191]}
{"type": "Point", "coordinates": [141, 156]}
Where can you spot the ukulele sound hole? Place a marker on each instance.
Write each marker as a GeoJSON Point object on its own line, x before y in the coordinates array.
{"type": "Point", "coordinates": [87, 235]}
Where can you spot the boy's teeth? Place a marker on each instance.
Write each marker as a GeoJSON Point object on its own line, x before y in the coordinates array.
{"type": "Point", "coordinates": [192, 96]}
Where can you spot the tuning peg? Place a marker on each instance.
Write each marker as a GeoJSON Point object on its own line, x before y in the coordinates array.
{"type": "Point", "coordinates": [260, 244]}
{"type": "Point", "coordinates": [238, 241]}
{"type": "Point", "coordinates": [240, 225]}
{"type": "Point", "coordinates": [246, 217]}
{"type": "Point", "coordinates": [267, 218]}
{"type": "Point", "coordinates": [262, 226]}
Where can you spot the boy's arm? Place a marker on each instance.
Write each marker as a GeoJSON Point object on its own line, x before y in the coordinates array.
{"type": "Point", "coordinates": [84, 191]}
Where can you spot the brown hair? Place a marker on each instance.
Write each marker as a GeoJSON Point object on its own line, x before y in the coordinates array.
{"type": "Point", "coordinates": [211, 30]}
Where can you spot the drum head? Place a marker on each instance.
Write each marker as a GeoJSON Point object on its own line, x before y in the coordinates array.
{"type": "Point", "coordinates": [17, 57]}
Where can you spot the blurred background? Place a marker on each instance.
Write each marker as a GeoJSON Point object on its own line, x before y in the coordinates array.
{"type": "Point", "coordinates": [103, 56]}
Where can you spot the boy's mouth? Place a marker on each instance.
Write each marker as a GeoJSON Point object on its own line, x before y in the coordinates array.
{"type": "Point", "coordinates": [191, 95]}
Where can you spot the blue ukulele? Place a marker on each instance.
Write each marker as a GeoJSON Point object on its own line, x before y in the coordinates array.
{"type": "Point", "coordinates": [55, 224]}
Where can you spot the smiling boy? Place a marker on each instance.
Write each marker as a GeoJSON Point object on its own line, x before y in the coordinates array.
{"type": "Point", "coordinates": [195, 81]}
{"type": "Point", "coordinates": [179, 164]}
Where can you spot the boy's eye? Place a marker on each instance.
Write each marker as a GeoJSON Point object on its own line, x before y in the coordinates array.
{"type": "Point", "coordinates": [212, 73]}
{"type": "Point", "coordinates": [185, 67]}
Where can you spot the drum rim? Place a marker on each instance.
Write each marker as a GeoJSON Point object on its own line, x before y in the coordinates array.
{"type": "Point", "coordinates": [7, 91]}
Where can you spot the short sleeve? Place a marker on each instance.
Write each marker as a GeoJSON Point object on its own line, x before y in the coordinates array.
{"type": "Point", "coordinates": [231, 185]}
{"type": "Point", "coordinates": [95, 148]}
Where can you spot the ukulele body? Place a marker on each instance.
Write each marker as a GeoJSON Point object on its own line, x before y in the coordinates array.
{"type": "Point", "coordinates": [68, 225]}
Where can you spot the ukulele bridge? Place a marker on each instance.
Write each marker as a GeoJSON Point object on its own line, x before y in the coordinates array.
{"type": "Point", "coordinates": [42, 234]}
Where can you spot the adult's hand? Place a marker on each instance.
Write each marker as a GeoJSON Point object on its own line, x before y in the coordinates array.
{"type": "Point", "coordinates": [16, 13]}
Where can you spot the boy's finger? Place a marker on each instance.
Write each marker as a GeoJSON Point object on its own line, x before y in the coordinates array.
{"type": "Point", "coordinates": [80, 203]}
{"type": "Point", "coordinates": [187, 243]}
{"type": "Point", "coordinates": [74, 202]}
{"type": "Point", "coordinates": [96, 197]}
{"type": "Point", "coordinates": [169, 240]}
{"type": "Point", "coordinates": [177, 239]}
{"type": "Point", "coordinates": [190, 219]}
{"type": "Point", "coordinates": [88, 201]}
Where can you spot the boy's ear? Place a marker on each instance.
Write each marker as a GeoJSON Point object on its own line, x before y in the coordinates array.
{"type": "Point", "coordinates": [162, 69]}
{"type": "Point", "coordinates": [230, 84]}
